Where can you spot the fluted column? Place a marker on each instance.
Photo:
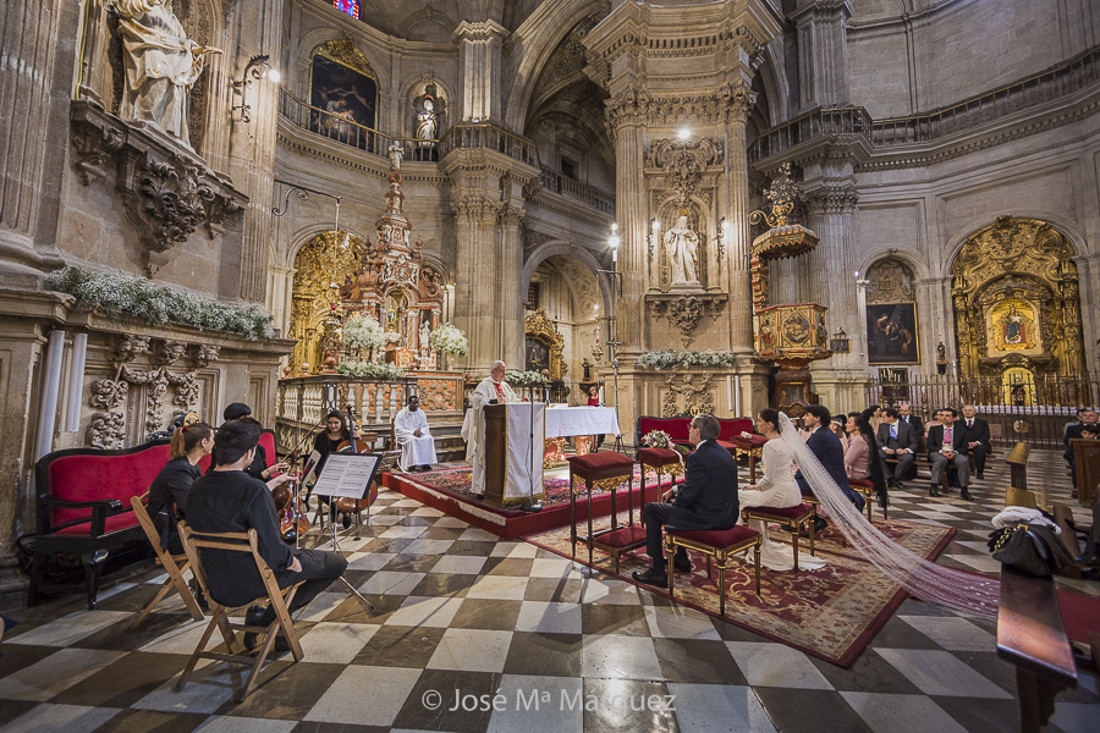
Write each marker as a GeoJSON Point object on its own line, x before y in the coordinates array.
{"type": "Point", "coordinates": [475, 296]}
{"type": "Point", "coordinates": [739, 243]}
{"type": "Point", "coordinates": [509, 297]}
{"type": "Point", "coordinates": [822, 31]}
{"type": "Point", "coordinates": [630, 213]}
{"type": "Point", "coordinates": [479, 69]}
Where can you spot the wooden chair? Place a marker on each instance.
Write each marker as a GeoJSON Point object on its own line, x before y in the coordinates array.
{"type": "Point", "coordinates": [662, 460]}
{"type": "Point", "coordinates": [867, 488]}
{"type": "Point", "coordinates": [279, 598]}
{"type": "Point", "coordinates": [721, 544]}
{"type": "Point", "coordinates": [174, 565]}
{"type": "Point", "coordinates": [603, 471]}
{"type": "Point", "coordinates": [791, 518]}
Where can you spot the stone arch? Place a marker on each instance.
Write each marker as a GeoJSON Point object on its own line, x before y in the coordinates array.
{"type": "Point", "coordinates": [1015, 290]}
{"type": "Point", "coordinates": [560, 247]}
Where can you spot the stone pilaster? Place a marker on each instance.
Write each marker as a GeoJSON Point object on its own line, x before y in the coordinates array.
{"type": "Point", "coordinates": [509, 217]}
{"type": "Point", "coordinates": [741, 100]}
{"type": "Point", "coordinates": [822, 30]}
{"type": "Point", "coordinates": [479, 69]}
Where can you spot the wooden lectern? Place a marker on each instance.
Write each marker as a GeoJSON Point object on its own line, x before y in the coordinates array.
{"type": "Point", "coordinates": [518, 449]}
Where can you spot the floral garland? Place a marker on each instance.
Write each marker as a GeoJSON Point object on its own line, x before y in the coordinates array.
{"type": "Point", "coordinates": [372, 371]}
{"type": "Point", "coordinates": [524, 379]}
{"type": "Point", "coordinates": [362, 331]}
{"type": "Point", "coordinates": [671, 358]}
{"type": "Point", "coordinates": [449, 339]}
{"type": "Point", "coordinates": [116, 292]}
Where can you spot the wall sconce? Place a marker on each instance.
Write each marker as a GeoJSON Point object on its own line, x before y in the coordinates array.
{"type": "Point", "coordinates": [253, 71]}
{"type": "Point", "coordinates": [840, 343]}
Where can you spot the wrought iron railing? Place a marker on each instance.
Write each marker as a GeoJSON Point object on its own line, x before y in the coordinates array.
{"type": "Point", "coordinates": [1034, 411]}
{"type": "Point", "coordinates": [1034, 91]}
{"type": "Point", "coordinates": [574, 189]}
{"type": "Point", "coordinates": [490, 136]}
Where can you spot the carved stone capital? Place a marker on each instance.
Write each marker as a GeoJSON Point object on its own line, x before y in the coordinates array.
{"type": "Point", "coordinates": [686, 310]}
{"type": "Point", "coordinates": [168, 190]}
{"type": "Point", "coordinates": [509, 215]}
{"type": "Point", "coordinates": [832, 200]}
{"type": "Point", "coordinates": [474, 205]}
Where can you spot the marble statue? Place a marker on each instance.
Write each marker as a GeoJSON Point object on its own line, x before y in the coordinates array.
{"type": "Point", "coordinates": [681, 247]}
{"type": "Point", "coordinates": [426, 124]}
{"type": "Point", "coordinates": [162, 64]}
{"type": "Point", "coordinates": [397, 152]}
{"type": "Point", "coordinates": [425, 350]}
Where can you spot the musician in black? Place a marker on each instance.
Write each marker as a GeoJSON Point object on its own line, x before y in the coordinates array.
{"type": "Point", "coordinates": [229, 500]}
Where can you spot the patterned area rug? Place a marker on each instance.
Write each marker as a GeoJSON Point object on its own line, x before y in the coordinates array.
{"type": "Point", "coordinates": [832, 613]}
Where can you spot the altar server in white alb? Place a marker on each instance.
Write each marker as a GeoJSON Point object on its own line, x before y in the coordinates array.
{"type": "Point", "coordinates": [410, 427]}
{"type": "Point", "coordinates": [492, 390]}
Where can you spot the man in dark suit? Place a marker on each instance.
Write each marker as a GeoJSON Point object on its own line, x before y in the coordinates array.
{"type": "Point", "coordinates": [905, 414]}
{"type": "Point", "coordinates": [947, 444]}
{"type": "Point", "coordinates": [706, 500]}
{"type": "Point", "coordinates": [1086, 417]}
{"type": "Point", "coordinates": [897, 439]}
{"type": "Point", "coordinates": [979, 442]}
{"type": "Point", "coordinates": [826, 447]}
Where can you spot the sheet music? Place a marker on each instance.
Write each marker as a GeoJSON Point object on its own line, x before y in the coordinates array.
{"type": "Point", "coordinates": [347, 475]}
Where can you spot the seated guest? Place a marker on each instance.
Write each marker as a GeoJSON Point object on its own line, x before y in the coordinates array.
{"type": "Point", "coordinates": [897, 440]}
{"type": "Point", "coordinates": [905, 414]}
{"type": "Point", "coordinates": [168, 492]}
{"type": "Point", "coordinates": [706, 500]}
{"type": "Point", "coordinates": [827, 449]}
{"type": "Point", "coordinates": [857, 451]}
{"type": "Point", "coordinates": [259, 468]}
{"type": "Point", "coordinates": [873, 416]}
{"type": "Point", "coordinates": [229, 500]}
{"type": "Point", "coordinates": [410, 428]}
{"type": "Point", "coordinates": [979, 441]}
{"type": "Point", "coordinates": [933, 422]}
{"type": "Point", "coordinates": [838, 425]}
{"type": "Point", "coordinates": [1086, 417]}
{"type": "Point", "coordinates": [947, 444]}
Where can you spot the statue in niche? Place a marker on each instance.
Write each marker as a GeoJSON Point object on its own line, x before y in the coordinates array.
{"type": "Point", "coordinates": [162, 64]}
{"type": "Point", "coordinates": [397, 152]}
{"type": "Point", "coordinates": [1013, 327]}
{"type": "Point", "coordinates": [681, 247]}
{"type": "Point", "coordinates": [426, 125]}
{"type": "Point", "coordinates": [425, 335]}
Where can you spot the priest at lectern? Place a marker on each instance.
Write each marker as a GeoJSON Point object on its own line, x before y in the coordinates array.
{"type": "Point", "coordinates": [493, 390]}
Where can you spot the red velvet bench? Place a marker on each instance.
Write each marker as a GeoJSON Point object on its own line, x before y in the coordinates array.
{"type": "Point", "coordinates": [791, 518]}
{"type": "Point", "coordinates": [719, 544]}
{"type": "Point", "coordinates": [662, 460]}
{"type": "Point", "coordinates": [729, 435]}
{"type": "Point", "coordinates": [604, 471]}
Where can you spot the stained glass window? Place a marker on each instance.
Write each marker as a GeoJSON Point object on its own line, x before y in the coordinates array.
{"type": "Point", "coordinates": [351, 7]}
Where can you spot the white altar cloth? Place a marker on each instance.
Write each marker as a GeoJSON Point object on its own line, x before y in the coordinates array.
{"type": "Point", "coordinates": [565, 421]}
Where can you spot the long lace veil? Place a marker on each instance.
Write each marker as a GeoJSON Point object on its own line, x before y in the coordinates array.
{"type": "Point", "coordinates": [969, 592]}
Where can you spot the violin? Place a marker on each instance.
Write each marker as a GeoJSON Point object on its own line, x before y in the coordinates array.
{"type": "Point", "coordinates": [291, 512]}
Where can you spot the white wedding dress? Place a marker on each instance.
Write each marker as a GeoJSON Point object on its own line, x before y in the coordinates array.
{"type": "Point", "coordinates": [777, 488]}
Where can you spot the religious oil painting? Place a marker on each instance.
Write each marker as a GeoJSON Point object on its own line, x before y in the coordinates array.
{"type": "Point", "coordinates": [538, 356]}
{"type": "Point", "coordinates": [343, 93]}
{"type": "Point", "coordinates": [892, 333]}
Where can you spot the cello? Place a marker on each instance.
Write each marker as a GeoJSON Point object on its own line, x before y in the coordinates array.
{"type": "Point", "coordinates": [347, 507]}
{"type": "Point", "coordinates": [293, 522]}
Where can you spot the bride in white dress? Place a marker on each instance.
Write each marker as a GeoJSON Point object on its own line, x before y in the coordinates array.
{"type": "Point", "coordinates": [777, 488]}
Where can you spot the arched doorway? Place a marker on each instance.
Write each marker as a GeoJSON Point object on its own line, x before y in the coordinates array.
{"type": "Point", "coordinates": [321, 266]}
{"type": "Point", "coordinates": [1017, 308]}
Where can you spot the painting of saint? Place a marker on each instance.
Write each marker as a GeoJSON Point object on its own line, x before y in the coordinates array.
{"type": "Point", "coordinates": [346, 95]}
{"type": "Point", "coordinates": [892, 333]}
{"type": "Point", "coordinates": [538, 356]}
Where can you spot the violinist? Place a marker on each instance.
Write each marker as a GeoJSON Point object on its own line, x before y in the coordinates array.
{"type": "Point", "coordinates": [168, 492]}
{"type": "Point", "coordinates": [229, 500]}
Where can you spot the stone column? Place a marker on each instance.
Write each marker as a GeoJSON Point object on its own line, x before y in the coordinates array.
{"type": "Point", "coordinates": [630, 210]}
{"type": "Point", "coordinates": [822, 28]}
{"type": "Point", "coordinates": [38, 40]}
{"type": "Point", "coordinates": [509, 298]}
{"type": "Point", "coordinates": [479, 70]}
{"type": "Point", "coordinates": [739, 242]}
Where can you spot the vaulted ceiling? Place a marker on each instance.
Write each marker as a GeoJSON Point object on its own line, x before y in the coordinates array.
{"type": "Point", "coordinates": [436, 20]}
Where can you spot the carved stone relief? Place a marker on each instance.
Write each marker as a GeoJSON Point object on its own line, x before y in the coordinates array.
{"type": "Point", "coordinates": [108, 426]}
{"type": "Point", "coordinates": [688, 393]}
{"type": "Point", "coordinates": [686, 311]}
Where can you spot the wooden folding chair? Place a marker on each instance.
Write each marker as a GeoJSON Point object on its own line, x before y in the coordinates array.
{"type": "Point", "coordinates": [279, 598]}
{"type": "Point", "coordinates": [174, 565]}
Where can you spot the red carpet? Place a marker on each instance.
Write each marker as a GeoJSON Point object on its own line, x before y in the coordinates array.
{"type": "Point", "coordinates": [831, 613]}
{"type": "Point", "coordinates": [1080, 614]}
{"type": "Point", "coordinates": [448, 490]}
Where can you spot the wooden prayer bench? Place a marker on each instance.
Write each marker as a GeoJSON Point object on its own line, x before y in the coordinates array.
{"type": "Point", "coordinates": [1031, 637]}
{"type": "Point", "coordinates": [729, 435]}
{"type": "Point", "coordinates": [945, 481]}
{"type": "Point", "coordinates": [82, 507]}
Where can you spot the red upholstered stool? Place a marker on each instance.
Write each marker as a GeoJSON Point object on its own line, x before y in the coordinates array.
{"type": "Point", "coordinates": [719, 544]}
{"type": "Point", "coordinates": [603, 471]}
{"type": "Point", "coordinates": [865, 487]}
{"type": "Point", "coordinates": [663, 460]}
{"type": "Point", "coordinates": [791, 518]}
{"type": "Point", "coordinates": [753, 447]}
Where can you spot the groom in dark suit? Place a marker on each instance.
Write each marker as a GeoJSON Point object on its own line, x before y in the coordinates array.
{"type": "Point", "coordinates": [947, 444]}
{"type": "Point", "coordinates": [706, 500]}
{"type": "Point", "coordinates": [826, 447]}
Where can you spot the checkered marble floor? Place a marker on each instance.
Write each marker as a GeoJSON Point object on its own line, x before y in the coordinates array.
{"type": "Point", "coordinates": [471, 633]}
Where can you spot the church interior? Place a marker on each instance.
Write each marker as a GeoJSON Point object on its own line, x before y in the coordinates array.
{"type": "Point", "coordinates": [666, 208]}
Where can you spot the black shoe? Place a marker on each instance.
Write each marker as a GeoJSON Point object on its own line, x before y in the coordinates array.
{"type": "Point", "coordinates": [981, 476]}
{"type": "Point", "coordinates": [934, 490]}
{"type": "Point", "coordinates": [965, 494]}
{"type": "Point", "coordinates": [651, 577]}
{"type": "Point", "coordinates": [254, 616]}
{"type": "Point", "coordinates": [1090, 559]}
{"type": "Point", "coordinates": [345, 520]}
{"type": "Point", "coordinates": [682, 564]}
{"type": "Point", "coordinates": [820, 525]}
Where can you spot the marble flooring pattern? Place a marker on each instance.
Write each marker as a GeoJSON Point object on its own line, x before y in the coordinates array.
{"type": "Point", "coordinates": [471, 633]}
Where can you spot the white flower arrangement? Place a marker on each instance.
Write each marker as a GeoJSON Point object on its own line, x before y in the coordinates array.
{"type": "Point", "coordinates": [362, 331]}
{"type": "Point", "coordinates": [371, 371]}
{"type": "Point", "coordinates": [524, 379]}
{"type": "Point", "coordinates": [671, 359]}
{"type": "Point", "coordinates": [449, 339]}
{"type": "Point", "coordinates": [657, 439]}
{"type": "Point", "coordinates": [116, 292]}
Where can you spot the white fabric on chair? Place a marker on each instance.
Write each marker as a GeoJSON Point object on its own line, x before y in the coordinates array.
{"type": "Point", "coordinates": [415, 450]}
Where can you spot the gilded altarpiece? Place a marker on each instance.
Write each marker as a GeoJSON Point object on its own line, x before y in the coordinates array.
{"type": "Point", "coordinates": [1017, 303]}
{"type": "Point", "coordinates": [320, 267]}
